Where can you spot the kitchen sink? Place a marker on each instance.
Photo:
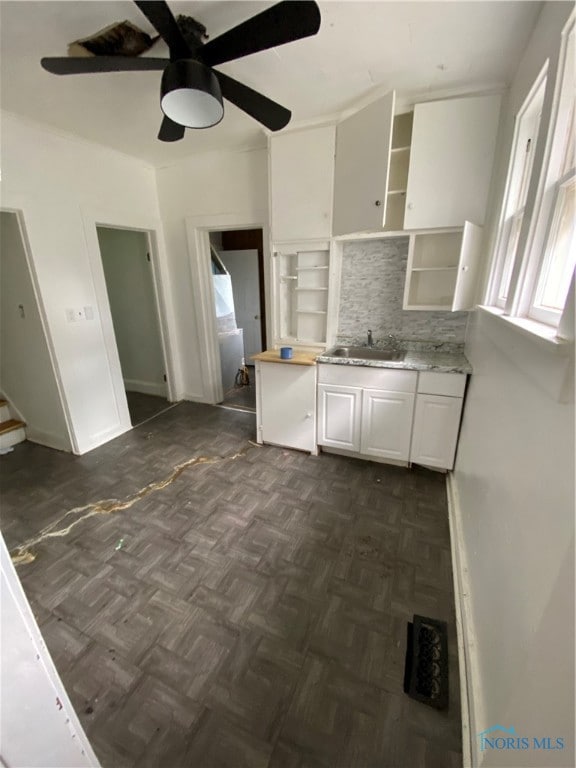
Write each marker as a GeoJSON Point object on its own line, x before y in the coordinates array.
{"type": "Point", "coordinates": [366, 353]}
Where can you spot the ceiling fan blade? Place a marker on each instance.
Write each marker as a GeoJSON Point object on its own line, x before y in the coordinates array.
{"type": "Point", "coordinates": [282, 23]}
{"type": "Point", "coordinates": [161, 18]}
{"type": "Point", "coordinates": [170, 131]}
{"type": "Point", "coordinates": [69, 65]}
{"type": "Point", "coordinates": [261, 108]}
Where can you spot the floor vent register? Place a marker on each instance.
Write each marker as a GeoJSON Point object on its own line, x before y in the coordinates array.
{"type": "Point", "coordinates": [426, 669]}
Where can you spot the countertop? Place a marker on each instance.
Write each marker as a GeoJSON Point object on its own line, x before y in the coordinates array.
{"type": "Point", "coordinates": [298, 357]}
{"type": "Point", "coordinates": [414, 360]}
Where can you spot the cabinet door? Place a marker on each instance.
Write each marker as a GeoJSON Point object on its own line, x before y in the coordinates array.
{"type": "Point", "coordinates": [301, 181]}
{"type": "Point", "coordinates": [468, 268]}
{"type": "Point", "coordinates": [339, 417]}
{"type": "Point", "coordinates": [363, 143]}
{"type": "Point", "coordinates": [386, 423]}
{"type": "Point", "coordinates": [286, 397]}
{"type": "Point", "coordinates": [451, 158]}
{"type": "Point", "coordinates": [435, 433]}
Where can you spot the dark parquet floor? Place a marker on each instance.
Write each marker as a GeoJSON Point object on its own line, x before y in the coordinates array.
{"type": "Point", "coordinates": [243, 396]}
{"type": "Point", "coordinates": [254, 615]}
{"type": "Point", "coordinates": [143, 407]}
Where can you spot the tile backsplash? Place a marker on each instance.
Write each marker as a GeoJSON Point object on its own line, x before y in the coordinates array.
{"type": "Point", "coordinates": [372, 288]}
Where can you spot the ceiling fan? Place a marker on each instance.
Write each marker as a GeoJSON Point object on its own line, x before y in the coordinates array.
{"type": "Point", "coordinates": [191, 90]}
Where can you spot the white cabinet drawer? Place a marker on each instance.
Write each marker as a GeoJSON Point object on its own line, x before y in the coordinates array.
{"type": "Point", "coordinates": [367, 378]}
{"type": "Point", "coordinates": [451, 384]}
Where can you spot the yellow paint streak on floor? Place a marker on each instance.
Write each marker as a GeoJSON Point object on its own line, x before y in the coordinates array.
{"type": "Point", "coordinates": [22, 555]}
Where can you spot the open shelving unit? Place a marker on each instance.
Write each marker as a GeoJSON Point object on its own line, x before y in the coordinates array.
{"type": "Point", "coordinates": [398, 171]}
{"type": "Point", "coordinates": [441, 269]}
{"type": "Point", "coordinates": [303, 277]}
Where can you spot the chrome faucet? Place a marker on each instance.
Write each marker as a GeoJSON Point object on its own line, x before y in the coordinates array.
{"type": "Point", "coordinates": [370, 339]}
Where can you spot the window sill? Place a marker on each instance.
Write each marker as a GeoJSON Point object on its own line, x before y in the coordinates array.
{"type": "Point", "coordinates": [544, 335]}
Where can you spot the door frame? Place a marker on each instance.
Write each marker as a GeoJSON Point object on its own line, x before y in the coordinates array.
{"type": "Point", "coordinates": [151, 228]}
{"type": "Point", "coordinates": [71, 444]}
{"type": "Point", "coordinates": [198, 230]}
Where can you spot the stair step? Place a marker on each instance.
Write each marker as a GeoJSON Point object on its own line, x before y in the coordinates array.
{"type": "Point", "coordinates": [10, 425]}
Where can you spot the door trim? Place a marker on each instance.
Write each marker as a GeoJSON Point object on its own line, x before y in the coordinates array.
{"type": "Point", "coordinates": [151, 227]}
{"type": "Point", "coordinates": [198, 230]}
{"type": "Point", "coordinates": [20, 217]}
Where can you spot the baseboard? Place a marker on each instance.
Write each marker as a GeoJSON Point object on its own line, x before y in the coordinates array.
{"type": "Point", "coordinates": [467, 657]}
{"type": "Point", "coordinates": [101, 438]}
{"type": "Point", "coordinates": [146, 387]}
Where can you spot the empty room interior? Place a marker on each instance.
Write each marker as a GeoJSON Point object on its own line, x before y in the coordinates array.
{"type": "Point", "coordinates": [287, 384]}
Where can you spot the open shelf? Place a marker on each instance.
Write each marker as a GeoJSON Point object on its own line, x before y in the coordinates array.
{"type": "Point", "coordinates": [303, 295]}
{"type": "Point", "coordinates": [436, 250]}
{"type": "Point", "coordinates": [441, 270]}
{"type": "Point", "coordinates": [399, 161]}
{"type": "Point", "coordinates": [432, 288]}
{"type": "Point", "coordinates": [402, 131]}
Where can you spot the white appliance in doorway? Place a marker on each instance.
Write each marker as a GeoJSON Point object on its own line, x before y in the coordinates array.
{"type": "Point", "coordinates": [243, 269]}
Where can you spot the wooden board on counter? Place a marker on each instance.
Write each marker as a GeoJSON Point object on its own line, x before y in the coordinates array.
{"type": "Point", "coordinates": [298, 358]}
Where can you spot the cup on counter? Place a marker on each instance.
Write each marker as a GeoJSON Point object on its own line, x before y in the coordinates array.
{"type": "Point", "coordinates": [286, 353]}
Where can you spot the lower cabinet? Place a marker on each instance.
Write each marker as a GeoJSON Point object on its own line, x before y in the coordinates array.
{"type": "Point", "coordinates": [286, 405]}
{"type": "Point", "coordinates": [401, 416]}
{"type": "Point", "coordinates": [437, 419]}
{"type": "Point", "coordinates": [373, 419]}
{"type": "Point", "coordinates": [339, 410]}
{"type": "Point", "coordinates": [386, 424]}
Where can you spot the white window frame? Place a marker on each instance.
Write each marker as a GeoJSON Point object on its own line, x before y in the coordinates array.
{"type": "Point", "coordinates": [556, 179]}
{"type": "Point", "coordinates": [549, 180]}
{"type": "Point", "coordinates": [518, 182]}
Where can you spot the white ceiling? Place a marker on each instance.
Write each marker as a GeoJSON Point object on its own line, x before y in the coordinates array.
{"type": "Point", "coordinates": [362, 47]}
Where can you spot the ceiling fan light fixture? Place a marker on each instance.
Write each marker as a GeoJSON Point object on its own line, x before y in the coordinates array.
{"type": "Point", "coordinates": [190, 94]}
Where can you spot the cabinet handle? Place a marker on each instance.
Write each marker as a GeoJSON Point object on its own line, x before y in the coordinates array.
{"type": "Point", "coordinates": [465, 269]}
{"type": "Point", "coordinates": [410, 206]}
{"type": "Point", "coordinates": [378, 203]}
{"type": "Point", "coordinates": [308, 415]}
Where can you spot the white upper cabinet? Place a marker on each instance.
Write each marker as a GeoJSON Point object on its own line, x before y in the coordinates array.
{"type": "Point", "coordinates": [442, 269]}
{"type": "Point", "coordinates": [451, 158]}
{"type": "Point", "coordinates": [301, 184]}
{"type": "Point", "coordinates": [364, 168]}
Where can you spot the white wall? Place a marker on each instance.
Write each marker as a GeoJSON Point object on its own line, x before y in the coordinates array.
{"type": "Point", "coordinates": [38, 725]}
{"type": "Point", "coordinates": [205, 188]}
{"type": "Point", "coordinates": [27, 376]}
{"type": "Point", "coordinates": [515, 480]}
{"type": "Point", "coordinates": [64, 187]}
{"type": "Point", "coordinates": [130, 287]}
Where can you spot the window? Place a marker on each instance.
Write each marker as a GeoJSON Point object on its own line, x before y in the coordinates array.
{"type": "Point", "coordinates": [558, 209]}
{"type": "Point", "coordinates": [535, 253]}
{"type": "Point", "coordinates": [519, 175]}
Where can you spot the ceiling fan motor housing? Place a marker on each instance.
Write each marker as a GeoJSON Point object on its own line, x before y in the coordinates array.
{"type": "Point", "coordinates": [190, 88]}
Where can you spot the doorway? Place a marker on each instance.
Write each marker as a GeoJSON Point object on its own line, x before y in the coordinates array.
{"type": "Point", "coordinates": [238, 260]}
{"type": "Point", "coordinates": [128, 272]}
{"type": "Point", "coordinates": [29, 383]}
